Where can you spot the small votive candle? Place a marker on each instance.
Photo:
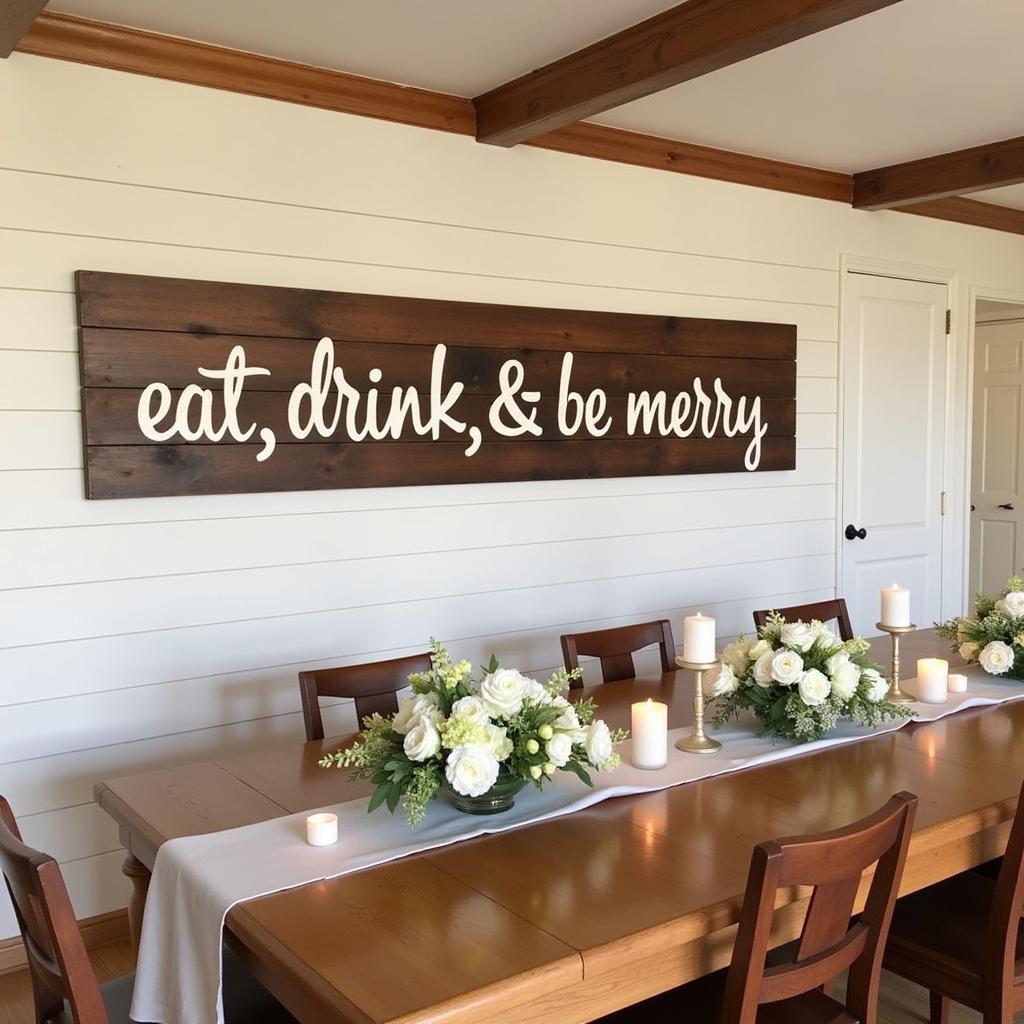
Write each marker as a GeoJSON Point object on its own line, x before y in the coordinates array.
{"type": "Point", "coordinates": [322, 829]}
{"type": "Point", "coordinates": [699, 639]}
{"type": "Point", "coordinates": [895, 606]}
{"type": "Point", "coordinates": [957, 683]}
{"type": "Point", "coordinates": [649, 721]}
{"type": "Point", "coordinates": [932, 685]}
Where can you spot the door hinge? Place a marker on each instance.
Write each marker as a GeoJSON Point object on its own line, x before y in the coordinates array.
{"type": "Point", "coordinates": [942, 504]}
{"type": "Point", "coordinates": [949, 321]}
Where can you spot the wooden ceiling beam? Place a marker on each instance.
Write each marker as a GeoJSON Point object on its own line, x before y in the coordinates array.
{"type": "Point", "coordinates": [675, 46]}
{"type": "Point", "coordinates": [16, 17]}
{"type": "Point", "coordinates": [938, 177]}
{"type": "Point", "coordinates": [65, 37]}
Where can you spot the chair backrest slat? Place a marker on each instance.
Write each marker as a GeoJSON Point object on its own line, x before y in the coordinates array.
{"type": "Point", "coordinates": [834, 610]}
{"type": "Point", "coordinates": [833, 863]}
{"type": "Point", "coordinates": [57, 961]}
{"type": "Point", "coordinates": [615, 648]}
{"type": "Point", "coordinates": [1004, 926]}
{"type": "Point", "coordinates": [373, 686]}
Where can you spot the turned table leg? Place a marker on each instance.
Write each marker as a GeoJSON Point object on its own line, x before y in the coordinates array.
{"type": "Point", "coordinates": [134, 869]}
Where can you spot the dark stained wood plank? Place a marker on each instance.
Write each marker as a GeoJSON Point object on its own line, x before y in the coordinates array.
{"type": "Point", "coordinates": [678, 45]}
{"type": "Point", "coordinates": [134, 359]}
{"type": "Point", "coordinates": [211, 307]}
{"type": "Point", "coordinates": [111, 418]}
{"type": "Point", "coordinates": [140, 471]}
{"type": "Point", "coordinates": [101, 44]}
{"type": "Point", "coordinates": [936, 177]}
{"type": "Point", "coordinates": [604, 143]}
{"type": "Point", "coordinates": [970, 211]}
{"type": "Point", "coordinates": [16, 17]}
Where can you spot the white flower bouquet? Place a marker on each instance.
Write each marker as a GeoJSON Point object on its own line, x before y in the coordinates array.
{"type": "Point", "coordinates": [994, 636]}
{"type": "Point", "coordinates": [482, 740]}
{"type": "Point", "coordinates": [800, 680]}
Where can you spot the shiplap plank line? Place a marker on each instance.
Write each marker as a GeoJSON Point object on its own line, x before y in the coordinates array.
{"type": "Point", "coordinates": [95, 209]}
{"type": "Point", "coordinates": [139, 660]}
{"type": "Point", "coordinates": [45, 260]}
{"type": "Point", "coordinates": [60, 556]}
{"type": "Point", "coordinates": [42, 615]}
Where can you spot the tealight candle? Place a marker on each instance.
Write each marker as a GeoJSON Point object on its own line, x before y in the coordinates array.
{"type": "Point", "coordinates": [957, 683]}
{"type": "Point", "coordinates": [699, 639]}
{"type": "Point", "coordinates": [322, 829]}
{"type": "Point", "coordinates": [649, 721]}
{"type": "Point", "coordinates": [895, 606]}
{"type": "Point", "coordinates": [932, 685]}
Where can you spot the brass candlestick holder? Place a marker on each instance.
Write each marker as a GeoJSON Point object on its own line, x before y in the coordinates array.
{"type": "Point", "coordinates": [698, 742]}
{"type": "Point", "coordinates": [895, 694]}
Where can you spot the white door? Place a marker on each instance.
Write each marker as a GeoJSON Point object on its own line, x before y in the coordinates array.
{"type": "Point", "coordinates": [997, 535]}
{"type": "Point", "coordinates": [894, 424]}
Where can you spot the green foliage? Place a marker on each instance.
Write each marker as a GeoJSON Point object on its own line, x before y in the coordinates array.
{"type": "Point", "coordinates": [992, 622]}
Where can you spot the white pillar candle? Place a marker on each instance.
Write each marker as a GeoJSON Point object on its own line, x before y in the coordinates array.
{"type": "Point", "coordinates": [957, 683]}
{"type": "Point", "coordinates": [650, 734]}
{"type": "Point", "coordinates": [932, 675]}
{"type": "Point", "coordinates": [322, 829]}
{"type": "Point", "coordinates": [699, 639]}
{"type": "Point", "coordinates": [895, 606]}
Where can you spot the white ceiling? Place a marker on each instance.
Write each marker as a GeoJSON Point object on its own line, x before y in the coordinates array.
{"type": "Point", "coordinates": [918, 78]}
{"type": "Point", "coordinates": [1012, 195]}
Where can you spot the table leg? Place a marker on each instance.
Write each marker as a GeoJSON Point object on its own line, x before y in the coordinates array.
{"type": "Point", "coordinates": [134, 869]}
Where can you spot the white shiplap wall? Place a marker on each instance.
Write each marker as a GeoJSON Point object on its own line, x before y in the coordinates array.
{"type": "Point", "coordinates": [139, 633]}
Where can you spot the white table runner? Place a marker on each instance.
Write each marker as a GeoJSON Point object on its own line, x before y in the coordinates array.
{"type": "Point", "coordinates": [198, 879]}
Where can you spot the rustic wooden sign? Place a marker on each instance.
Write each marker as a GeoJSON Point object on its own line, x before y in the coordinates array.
{"type": "Point", "coordinates": [198, 387]}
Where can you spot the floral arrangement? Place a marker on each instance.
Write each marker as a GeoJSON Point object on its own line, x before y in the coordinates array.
{"type": "Point", "coordinates": [994, 636]}
{"type": "Point", "coordinates": [505, 730]}
{"type": "Point", "coordinates": [800, 680]}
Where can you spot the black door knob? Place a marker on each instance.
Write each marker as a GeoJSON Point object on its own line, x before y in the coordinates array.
{"type": "Point", "coordinates": [852, 533]}
{"type": "Point", "coordinates": [1008, 506]}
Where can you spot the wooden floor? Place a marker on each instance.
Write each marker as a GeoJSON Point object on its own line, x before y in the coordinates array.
{"type": "Point", "coordinates": [901, 1003]}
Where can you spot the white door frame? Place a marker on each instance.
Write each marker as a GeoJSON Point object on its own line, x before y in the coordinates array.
{"type": "Point", "coordinates": [974, 293]}
{"type": "Point", "coordinates": [955, 535]}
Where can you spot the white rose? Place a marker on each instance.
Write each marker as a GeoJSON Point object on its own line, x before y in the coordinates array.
{"type": "Point", "coordinates": [422, 741]}
{"type": "Point", "coordinates": [536, 692]}
{"type": "Point", "coordinates": [814, 688]}
{"type": "Point", "coordinates": [878, 687]}
{"type": "Point", "coordinates": [760, 648]}
{"type": "Point", "coordinates": [833, 663]}
{"type": "Point", "coordinates": [799, 635]}
{"type": "Point", "coordinates": [471, 769]}
{"type": "Point", "coordinates": [472, 709]}
{"type": "Point", "coordinates": [413, 708]}
{"type": "Point", "coordinates": [568, 723]}
{"type": "Point", "coordinates": [503, 691]}
{"type": "Point", "coordinates": [787, 667]}
{"type": "Point", "coordinates": [737, 655]}
{"type": "Point", "coordinates": [763, 668]}
{"type": "Point", "coordinates": [969, 650]}
{"type": "Point", "coordinates": [497, 741]}
{"type": "Point", "coordinates": [559, 749]}
{"type": "Point", "coordinates": [726, 681]}
{"type": "Point", "coordinates": [996, 658]}
{"type": "Point", "coordinates": [846, 679]}
{"type": "Point", "coordinates": [598, 743]}
{"type": "Point", "coordinates": [827, 639]}
{"type": "Point", "coordinates": [1013, 603]}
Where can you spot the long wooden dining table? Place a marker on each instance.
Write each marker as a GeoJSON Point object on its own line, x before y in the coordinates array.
{"type": "Point", "coordinates": [572, 918]}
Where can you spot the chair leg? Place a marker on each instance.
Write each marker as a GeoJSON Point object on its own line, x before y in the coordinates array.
{"type": "Point", "coordinates": [938, 1007]}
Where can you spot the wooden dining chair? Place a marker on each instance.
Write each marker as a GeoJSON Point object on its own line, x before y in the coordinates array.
{"type": "Point", "coordinates": [64, 985]}
{"type": "Point", "coordinates": [374, 687]}
{"type": "Point", "coordinates": [616, 647]}
{"type": "Point", "coordinates": [963, 939]}
{"type": "Point", "coordinates": [823, 611]}
{"type": "Point", "coordinates": [790, 985]}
